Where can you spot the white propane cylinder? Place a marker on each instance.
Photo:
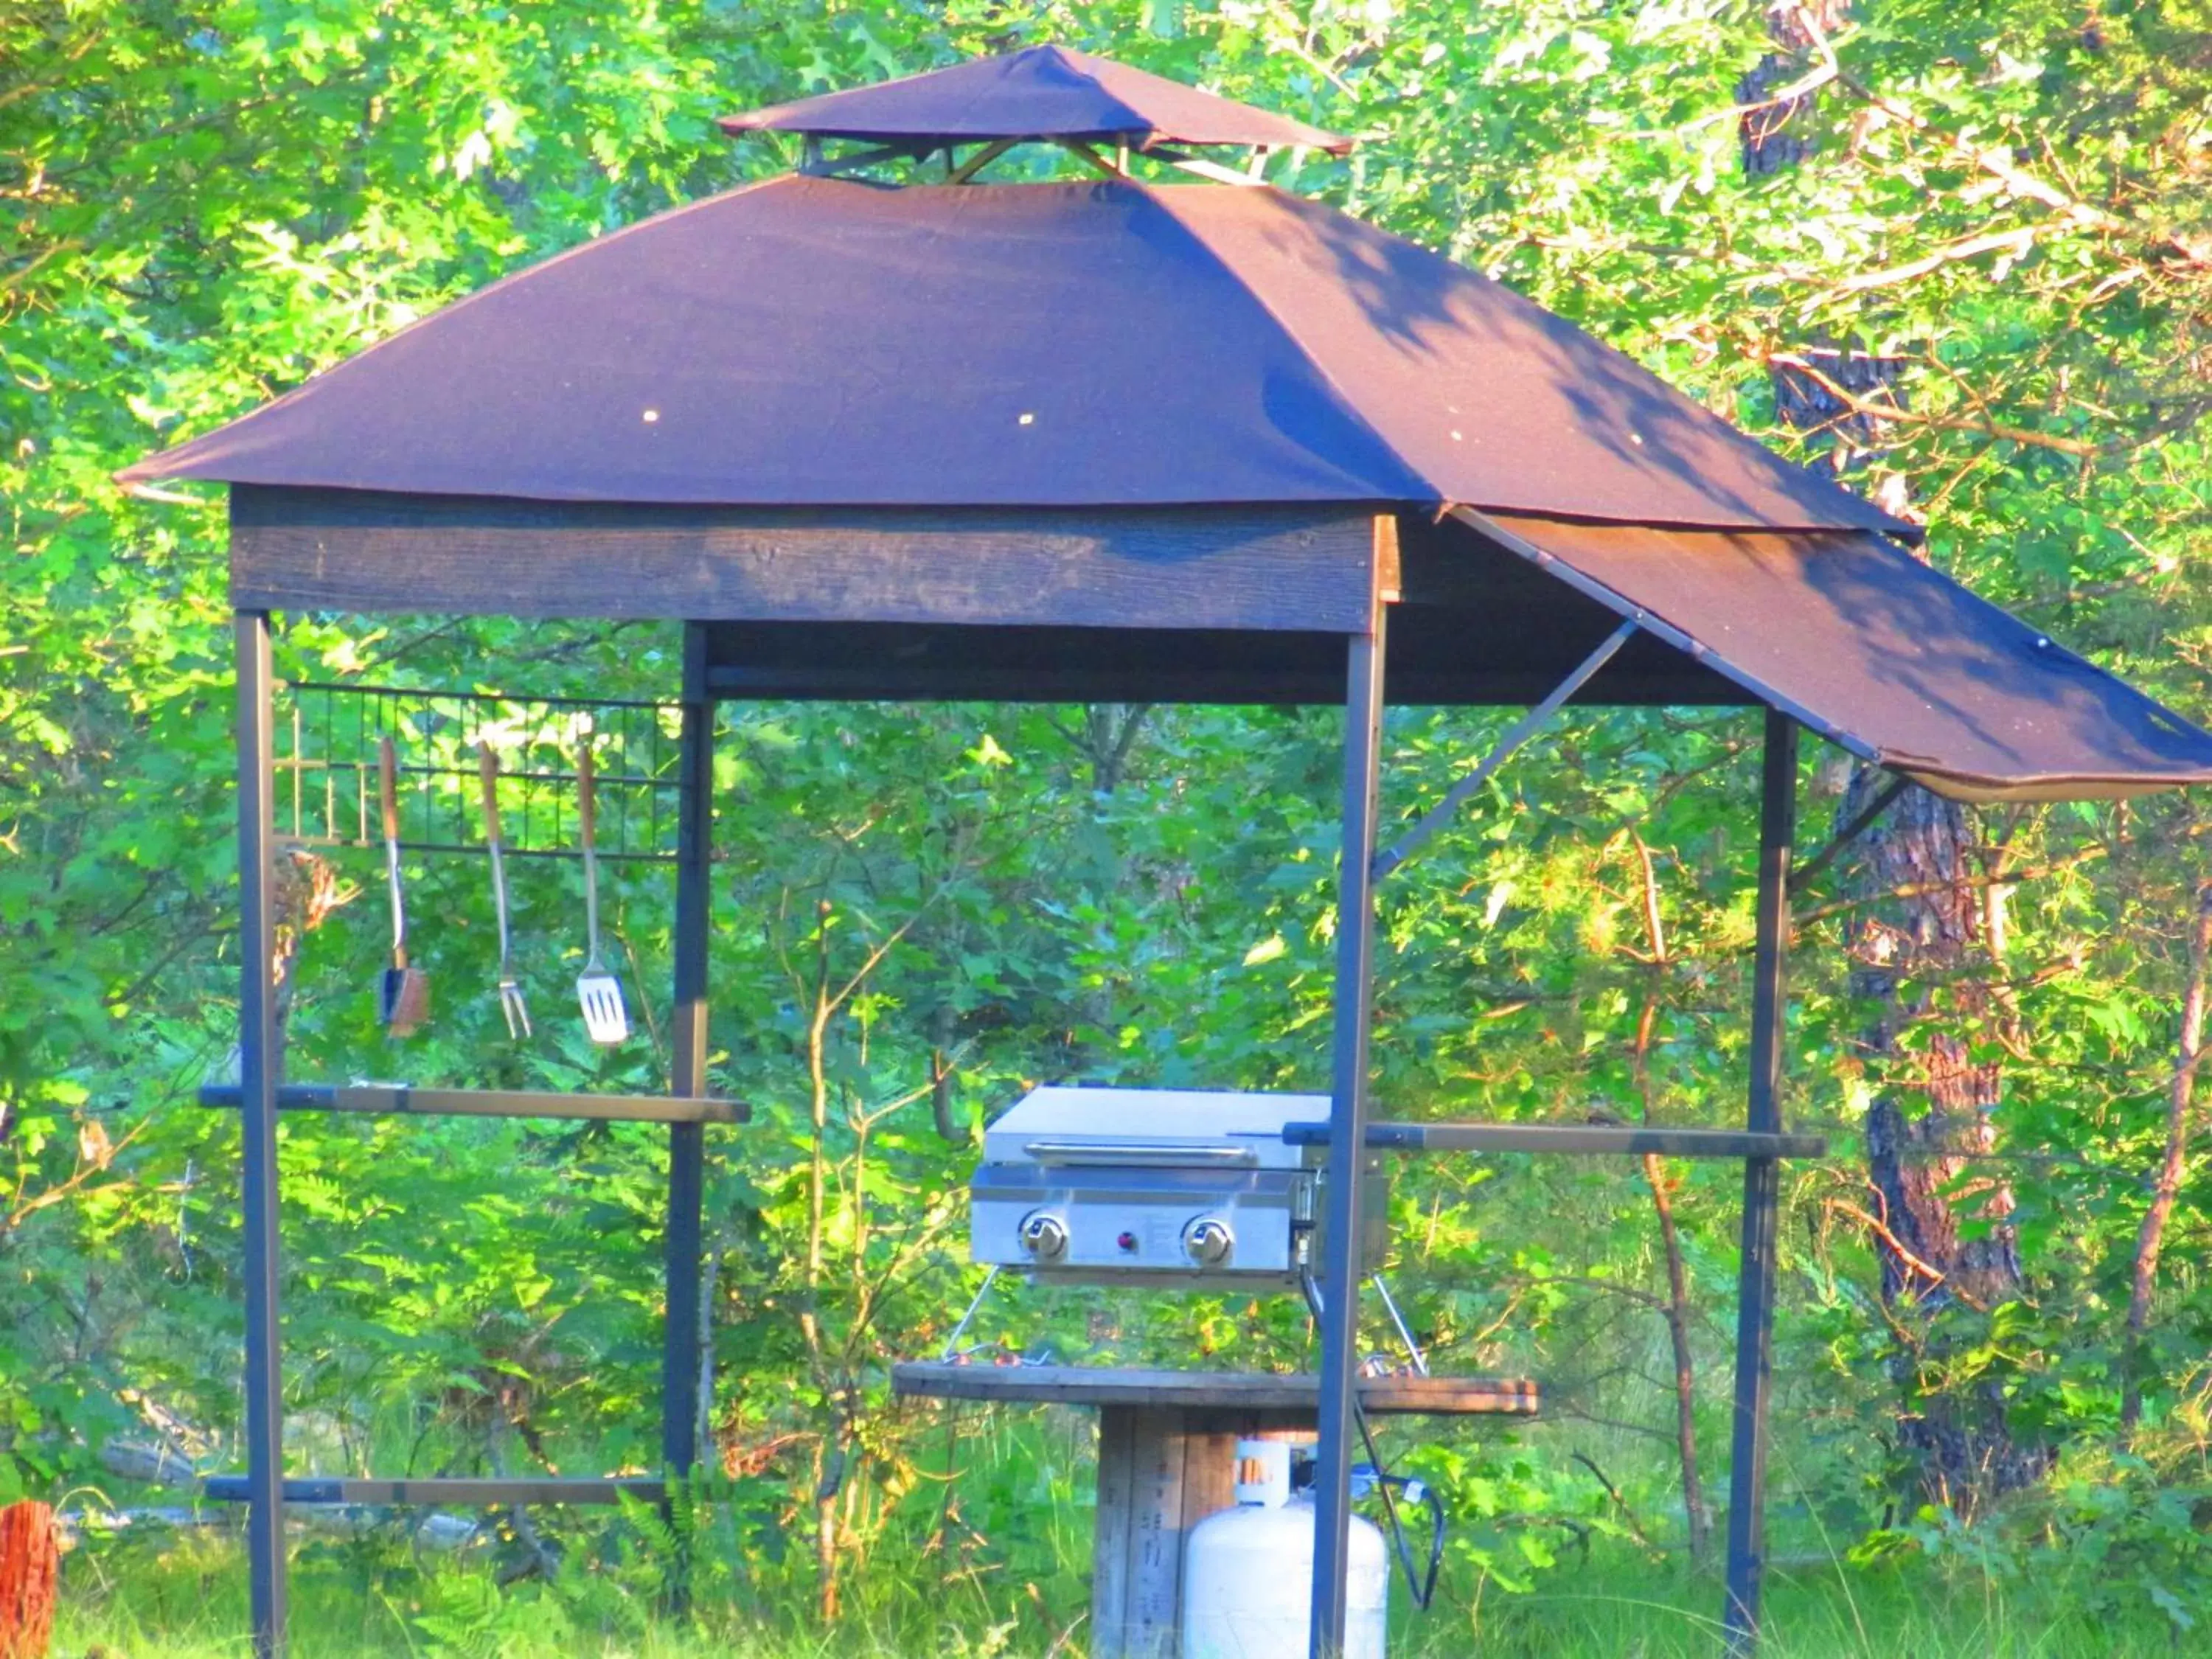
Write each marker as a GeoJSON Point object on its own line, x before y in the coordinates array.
{"type": "Point", "coordinates": [1248, 1572]}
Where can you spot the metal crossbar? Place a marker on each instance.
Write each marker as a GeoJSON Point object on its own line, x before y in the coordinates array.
{"type": "Point", "coordinates": [399, 1100]}
{"type": "Point", "coordinates": [1583, 1139]}
{"type": "Point", "coordinates": [460, 1491]}
{"type": "Point", "coordinates": [1523, 729]}
{"type": "Point", "coordinates": [1850, 832]}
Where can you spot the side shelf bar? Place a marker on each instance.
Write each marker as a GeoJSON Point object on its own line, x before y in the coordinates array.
{"type": "Point", "coordinates": [458, 1492]}
{"type": "Point", "coordinates": [1585, 1140]}
{"type": "Point", "coordinates": [399, 1100]}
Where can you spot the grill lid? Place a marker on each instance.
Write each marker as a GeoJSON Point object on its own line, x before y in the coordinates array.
{"type": "Point", "coordinates": [1157, 1128]}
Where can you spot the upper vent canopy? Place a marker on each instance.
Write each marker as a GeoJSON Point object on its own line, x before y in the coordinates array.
{"type": "Point", "coordinates": [1042, 92]}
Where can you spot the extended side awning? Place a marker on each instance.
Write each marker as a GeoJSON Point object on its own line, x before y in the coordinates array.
{"type": "Point", "coordinates": [1878, 652]}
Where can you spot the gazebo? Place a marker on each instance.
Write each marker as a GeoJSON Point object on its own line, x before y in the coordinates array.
{"type": "Point", "coordinates": [1105, 440]}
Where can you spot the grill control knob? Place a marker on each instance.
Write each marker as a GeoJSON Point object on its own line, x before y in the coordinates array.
{"type": "Point", "coordinates": [1044, 1235]}
{"type": "Point", "coordinates": [1207, 1241]}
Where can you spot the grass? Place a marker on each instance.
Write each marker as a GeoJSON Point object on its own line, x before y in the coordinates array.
{"type": "Point", "coordinates": [186, 1601]}
{"type": "Point", "coordinates": [987, 1558]}
{"type": "Point", "coordinates": [1835, 1613]}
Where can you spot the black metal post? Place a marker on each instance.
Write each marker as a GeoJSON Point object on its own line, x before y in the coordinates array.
{"type": "Point", "coordinates": [1754, 1335]}
{"type": "Point", "coordinates": [1347, 1139]}
{"type": "Point", "coordinates": [256, 1078]}
{"type": "Point", "coordinates": [679, 1372]}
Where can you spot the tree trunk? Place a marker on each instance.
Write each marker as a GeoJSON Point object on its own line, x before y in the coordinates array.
{"type": "Point", "coordinates": [2188, 1053]}
{"type": "Point", "coordinates": [835, 1457]}
{"type": "Point", "coordinates": [1696, 1516]}
{"type": "Point", "coordinates": [1930, 1264]}
{"type": "Point", "coordinates": [30, 1561]}
{"type": "Point", "coordinates": [1772, 127]}
{"type": "Point", "coordinates": [1960, 1442]}
{"type": "Point", "coordinates": [944, 1029]}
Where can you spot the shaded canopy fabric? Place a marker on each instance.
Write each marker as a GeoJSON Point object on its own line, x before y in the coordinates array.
{"type": "Point", "coordinates": [822, 344]}
{"type": "Point", "coordinates": [1042, 92]}
{"type": "Point", "coordinates": [825, 341]}
{"type": "Point", "coordinates": [1889, 658]}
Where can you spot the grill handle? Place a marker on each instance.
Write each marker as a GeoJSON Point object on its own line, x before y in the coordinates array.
{"type": "Point", "coordinates": [1163, 1154]}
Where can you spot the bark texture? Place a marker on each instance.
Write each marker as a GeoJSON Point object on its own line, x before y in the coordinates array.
{"type": "Point", "coordinates": [1914, 960]}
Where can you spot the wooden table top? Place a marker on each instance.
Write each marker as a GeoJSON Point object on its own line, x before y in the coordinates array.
{"type": "Point", "coordinates": [1085, 1385]}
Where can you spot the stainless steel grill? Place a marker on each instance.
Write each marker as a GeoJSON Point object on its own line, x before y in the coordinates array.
{"type": "Point", "coordinates": [1170, 1188]}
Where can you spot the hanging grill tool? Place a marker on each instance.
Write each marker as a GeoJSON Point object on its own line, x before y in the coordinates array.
{"type": "Point", "coordinates": [1169, 1188]}
{"type": "Point", "coordinates": [510, 992]}
{"type": "Point", "coordinates": [403, 997]}
{"type": "Point", "coordinates": [599, 993]}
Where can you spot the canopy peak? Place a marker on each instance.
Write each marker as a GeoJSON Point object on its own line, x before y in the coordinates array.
{"type": "Point", "coordinates": [1048, 92]}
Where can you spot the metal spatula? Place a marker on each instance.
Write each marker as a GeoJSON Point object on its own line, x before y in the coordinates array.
{"type": "Point", "coordinates": [599, 993]}
{"type": "Point", "coordinates": [403, 995]}
{"type": "Point", "coordinates": [510, 994]}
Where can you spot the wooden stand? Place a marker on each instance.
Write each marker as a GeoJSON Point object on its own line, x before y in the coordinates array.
{"type": "Point", "coordinates": [30, 1564]}
{"type": "Point", "coordinates": [1167, 1450]}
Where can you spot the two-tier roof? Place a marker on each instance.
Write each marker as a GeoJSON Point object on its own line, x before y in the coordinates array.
{"type": "Point", "coordinates": [831, 344]}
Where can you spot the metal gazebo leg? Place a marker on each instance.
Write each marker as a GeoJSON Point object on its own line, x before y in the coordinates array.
{"type": "Point", "coordinates": [1347, 1139]}
{"type": "Point", "coordinates": [1747, 1542]}
{"type": "Point", "coordinates": [680, 1351]}
{"type": "Point", "coordinates": [256, 1078]}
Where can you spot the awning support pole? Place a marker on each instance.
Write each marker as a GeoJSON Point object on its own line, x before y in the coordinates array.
{"type": "Point", "coordinates": [1755, 1338]}
{"type": "Point", "coordinates": [1850, 833]}
{"type": "Point", "coordinates": [1348, 1140]}
{"type": "Point", "coordinates": [680, 1351]}
{"type": "Point", "coordinates": [1523, 729]}
{"type": "Point", "coordinates": [256, 1077]}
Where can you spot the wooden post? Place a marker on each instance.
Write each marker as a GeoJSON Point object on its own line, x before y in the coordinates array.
{"type": "Point", "coordinates": [1161, 1471]}
{"type": "Point", "coordinates": [1110, 1548]}
{"type": "Point", "coordinates": [1137, 1560]}
{"type": "Point", "coordinates": [30, 1562]}
{"type": "Point", "coordinates": [1167, 1446]}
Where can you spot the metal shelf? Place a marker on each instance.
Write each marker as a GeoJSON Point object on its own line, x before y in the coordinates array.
{"type": "Point", "coordinates": [323, 765]}
{"type": "Point", "coordinates": [399, 1100]}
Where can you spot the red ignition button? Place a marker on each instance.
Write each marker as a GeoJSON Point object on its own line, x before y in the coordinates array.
{"type": "Point", "coordinates": [1128, 1241]}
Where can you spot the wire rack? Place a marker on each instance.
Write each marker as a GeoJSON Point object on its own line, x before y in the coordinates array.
{"type": "Point", "coordinates": [327, 739]}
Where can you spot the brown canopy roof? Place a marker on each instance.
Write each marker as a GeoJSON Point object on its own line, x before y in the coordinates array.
{"type": "Point", "coordinates": [825, 341]}
{"type": "Point", "coordinates": [1029, 351]}
{"type": "Point", "coordinates": [1882, 654]}
{"type": "Point", "coordinates": [1043, 92]}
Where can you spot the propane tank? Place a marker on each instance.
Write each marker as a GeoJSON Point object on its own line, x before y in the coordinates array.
{"type": "Point", "coordinates": [1248, 1572]}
